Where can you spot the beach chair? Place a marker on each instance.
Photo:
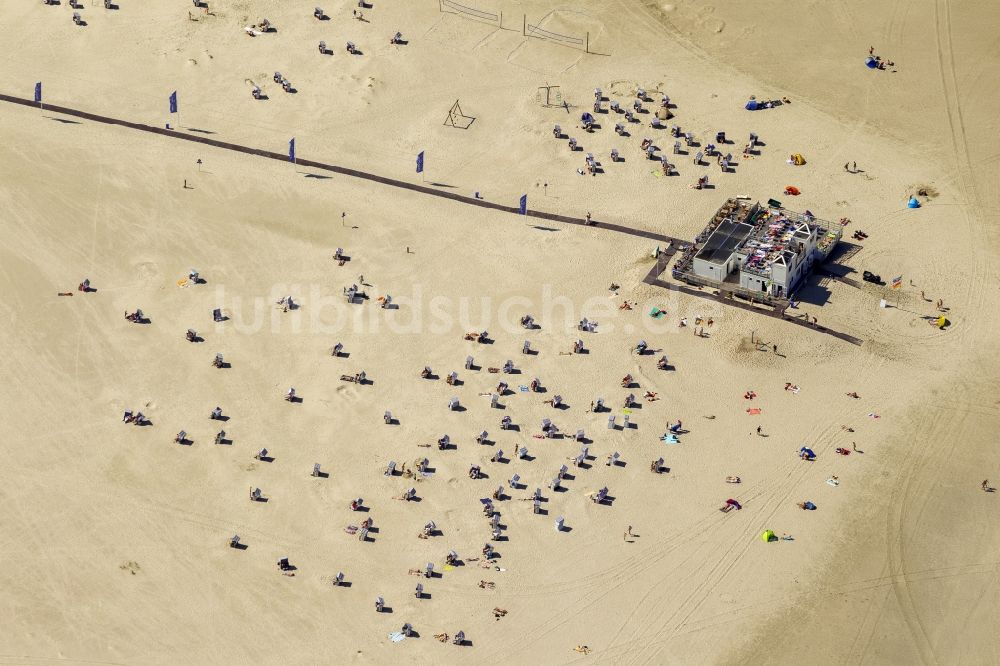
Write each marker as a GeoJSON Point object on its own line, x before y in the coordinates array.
{"type": "Point", "coordinates": [497, 456]}
{"type": "Point", "coordinates": [611, 421]}
{"type": "Point", "coordinates": [560, 523]}
{"type": "Point", "coordinates": [255, 495]}
{"type": "Point", "coordinates": [536, 505]}
{"type": "Point", "coordinates": [563, 470]}
{"type": "Point", "coordinates": [260, 455]}
{"type": "Point", "coordinates": [599, 405]}
{"type": "Point", "coordinates": [76, 18]}
{"type": "Point", "coordinates": [429, 570]}
{"type": "Point", "coordinates": [351, 48]}
{"type": "Point", "coordinates": [526, 347]}
{"type": "Point", "coordinates": [613, 459]}
{"type": "Point", "coordinates": [579, 436]}
{"type": "Point", "coordinates": [522, 452]}
{"type": "Point", "coordinates": [554, 483]}
{"type": "Point", "coordinates": [218, 362]}
{"type": "Point", "coordinates": [379, 604]}
{"type": "Point", "coordinates": [619, 129]}
{"type": "Point", "coordinates": [316, 471]}
{"type": "Point", "coordinates": [220, 437]}
{"type": "Point", "coordinates": [616, 107]}
{"type": "Point", "coordinates": [318, 13]}
{"type": "Point", "coordinates": [614, 155]}
{"type": "Point", "coordinates": [481, 438]}
{"type": "Point", "coordinates": [514, 480]}
{"type": "Point", "coordinates": [468, 362]}
{"type": "Point", "coordinates": [452, 378]}
{"type": "Point", "coordinates": [626, 423]}
{"type": "Point", "coordinates": [338, 579]}
{"type": "Point", "coordinates": [234, 541]}
{"type": "Point", "coordinates": [283, 564]}
{"type": "Point", "coordinates": [557, 401]}
{"type": "Point", "coordinates": [453, 404]}
{"type": "Point", "coordinates": [387, 417]}
{"type": "Point", "coordinates": [495, 401]}
{"type": "Point", "coordinates": [322, 50]}
{"type": "Point", "coordinates": [181, 437]}
{"type": "Point", "coordinates": [407, 629]}
{"type": "Point", "coordinates": [459, 638]}
{"type": "Point", "coordinates": [191, 335]}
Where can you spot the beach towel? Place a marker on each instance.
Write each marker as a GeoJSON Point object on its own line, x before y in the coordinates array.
{"type": "Point", "coordinates": [448, 567]}
{"type": "Point", "coordinates": [397, 636]}
{"type": "Point", "coordinates": [522, 388]}
{"type": "Point", "coordinates": [833, 482]}
{"type": "Point", "coordinates": [792, 190]}
{"type": "Point", "coordinates": [658, 174]}
{"type": "Point", "coordinates": [798, 160]}
{"type": "Point", "coordinates": [183, 282]}
{"type": "Point", "coordinates": [670, 439]}
{"type": "Point", "coordinates": [754, 411]}
{"type": "Point", "coordinates": [626, 411]}
{"type": "Point", "coordinates": [874, 415]}
{"type": "Point", "coordinates": [656, 313]}
{"type": "Point", "coordinates": [768, 535]}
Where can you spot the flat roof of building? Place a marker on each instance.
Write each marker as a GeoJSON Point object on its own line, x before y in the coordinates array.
{"type": "Point", "coordinates": [723, 242]}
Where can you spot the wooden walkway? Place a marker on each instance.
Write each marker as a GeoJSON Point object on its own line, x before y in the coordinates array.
{"type": "Point", "coordinates": [333, 168]}
{"type": "Point", "coordinates": [652, 278]}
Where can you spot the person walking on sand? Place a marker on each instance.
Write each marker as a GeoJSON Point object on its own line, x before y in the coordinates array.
{"type": "Point", "coordinates": [986, 486]}
{"type": "Point", "coordinates": [628, 533]}
{"type": "Point", "coordinates": [760, 430]}
{"type": "Point", "coordinates": [775, 348]}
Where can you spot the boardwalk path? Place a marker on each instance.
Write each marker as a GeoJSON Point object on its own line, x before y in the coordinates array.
{"type": "Point", "coordinates": [652, 278]}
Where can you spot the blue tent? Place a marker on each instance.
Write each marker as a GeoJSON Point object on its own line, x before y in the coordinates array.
{"type": "Point", "coordinates": [871, 62]}
{"type": "Point", "coordinates": [913, 203]}
{"type": "Point", "coordinates": [808, 452]}
{"type": "Point", "coordinates": [751, 105]}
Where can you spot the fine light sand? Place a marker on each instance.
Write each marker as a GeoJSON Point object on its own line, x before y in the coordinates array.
{"type": "Point", "coordinates": [115, 538]}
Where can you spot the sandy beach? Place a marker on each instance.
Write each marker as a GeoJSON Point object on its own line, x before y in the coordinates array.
{"type": "Point", "coordinates": [117, 537]}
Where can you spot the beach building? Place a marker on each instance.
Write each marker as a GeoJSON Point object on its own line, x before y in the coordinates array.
{"type": "Point", "coordinates": [761, 249]}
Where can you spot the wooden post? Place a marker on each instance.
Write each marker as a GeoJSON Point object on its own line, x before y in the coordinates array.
{"type": "Point", "coordinates": [501, 20]}
{"type": "Point", "coordinates": [524, 26]}
{"type": "Point", "coordinates": [587, 47]}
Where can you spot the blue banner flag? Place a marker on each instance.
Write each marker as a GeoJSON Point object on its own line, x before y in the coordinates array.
{"type": "Point", "coordinates": [523, 210]}
{"type": "Point", "coordinates": [173, 102]}
{"type": "Point", "coordinates": [291, 150]}
{"type": "Point", "coordinates": [38, 92]}
{"type": "Point", "coordinates": [420, 162]}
